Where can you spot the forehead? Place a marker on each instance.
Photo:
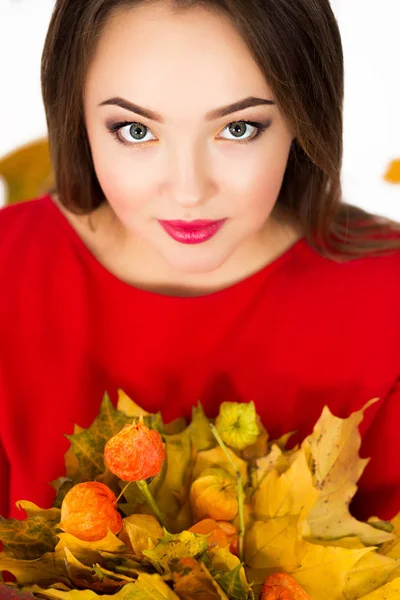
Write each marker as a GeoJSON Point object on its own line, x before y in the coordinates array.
{"type": "Point", "coordinates": [152, 55]}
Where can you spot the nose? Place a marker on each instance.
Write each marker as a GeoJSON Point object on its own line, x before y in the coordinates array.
{"type": "Point", "coordinates": [190, 181]}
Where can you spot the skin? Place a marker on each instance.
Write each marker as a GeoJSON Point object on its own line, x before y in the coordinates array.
{"type": "Point", "coordinates": [182, 66]}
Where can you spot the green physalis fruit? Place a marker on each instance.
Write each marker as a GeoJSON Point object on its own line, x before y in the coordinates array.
{"type": "Point", "coordinates": [237, 424]}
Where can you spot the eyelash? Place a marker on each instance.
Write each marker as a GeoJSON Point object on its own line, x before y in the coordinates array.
{"type": "Point", "coordinates": [261, 127]}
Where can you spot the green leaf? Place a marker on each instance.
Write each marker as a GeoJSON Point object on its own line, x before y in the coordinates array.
{"type": "Point", "coordinates": [45, 570]}
{"type": "Point", "coordinates": [147, 587]}
{"type": "Point", "coordinates": [30, 538]}
{"type": "Point", "coordinates": [95, 578]}
{"type": "Point", "coordinates": [175, 546]}
{"type": "Point", "coordinates": [88, 445]}
{"type": "Point", "coordinates": [232, 583]}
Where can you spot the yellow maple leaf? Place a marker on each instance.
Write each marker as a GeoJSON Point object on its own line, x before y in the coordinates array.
{"type": "Point", "coordinates": [321, 571]}
{"type": "Point", "coordinates": [390, 591]}
{"type": "Point", "coordinates": [89, 552]}
{"type": "Point", "coordinates": [265, 465]}
{"type": "Point", "coordinates": [129, 407]}
{"type": "Point", "coordinates": [369, 573]}
{"type": "Point", "coordinates": [140, 532]}
{"type": "Point", "coordinates": [291, 493]}
{"type": "Point", "coordinates": [392, 547]}
{"type": "Point", "coordinates": [274, 544]}
{"type": "Point", "coordinates": [324, 570]}
{"type": "Point", "coordinates": [332, 453]}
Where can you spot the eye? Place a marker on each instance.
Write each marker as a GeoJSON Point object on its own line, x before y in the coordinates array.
{"type": "Point", "coordinates": [131, 132]}
{"type": "Point", "coordinates": [238, 128]}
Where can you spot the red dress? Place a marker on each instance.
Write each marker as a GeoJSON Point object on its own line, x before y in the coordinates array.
{"type": "Point", "coordinates": [300, 333]}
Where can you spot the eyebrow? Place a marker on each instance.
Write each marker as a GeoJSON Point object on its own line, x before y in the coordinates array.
{"type": "Point", "coordinates": [217, 113]}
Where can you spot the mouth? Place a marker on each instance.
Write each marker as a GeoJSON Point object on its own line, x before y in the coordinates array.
{"type": "Point", "coordinates": [192, 232]}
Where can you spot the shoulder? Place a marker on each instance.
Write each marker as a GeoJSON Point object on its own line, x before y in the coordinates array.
{"type": "Point", "coordinates": [29, 237]}
{"type": "Point", "coordinates": [22, 222]}
{"type": "Point", "coordinates": [370, 284]}
{"type": "Point", "coordinates": [363, 278]}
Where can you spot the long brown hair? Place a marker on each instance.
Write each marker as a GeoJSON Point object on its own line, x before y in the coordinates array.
{"type": "Point", "coordinates": [298, 47]}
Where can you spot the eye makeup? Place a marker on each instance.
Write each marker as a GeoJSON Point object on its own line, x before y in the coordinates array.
{"type": "Point", "coordinates": [115, 128]}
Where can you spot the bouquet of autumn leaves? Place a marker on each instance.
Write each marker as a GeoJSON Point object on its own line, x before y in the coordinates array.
{"type": "Point", "coordinates": [209, 510]}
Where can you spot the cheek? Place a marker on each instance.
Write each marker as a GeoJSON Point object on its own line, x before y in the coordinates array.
{"type": "Point", "coordinates": [259, 184]}
{"type": "Point", "coordinates": [126, 186]}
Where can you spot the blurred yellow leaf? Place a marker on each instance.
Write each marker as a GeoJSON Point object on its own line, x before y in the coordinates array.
{"type": "Point", "coordinates": [392, 174]}
{"type": "Point", "coordinates": [390, 591]}
{"type": "Point", "coordinates": [27, 172]}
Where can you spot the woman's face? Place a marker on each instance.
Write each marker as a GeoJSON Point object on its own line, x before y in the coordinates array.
{"type": "Point", "coordinates": [182, 162]}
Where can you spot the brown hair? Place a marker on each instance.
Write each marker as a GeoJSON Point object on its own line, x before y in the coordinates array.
{"type": "Point", "coordinates": [298, 47]}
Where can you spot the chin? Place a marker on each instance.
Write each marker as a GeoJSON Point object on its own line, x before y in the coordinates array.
{"type": "Point", "coordinates": [185, 263]}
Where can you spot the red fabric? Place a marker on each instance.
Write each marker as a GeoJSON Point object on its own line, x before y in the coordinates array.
{"type": "Point", "coordinates": [300, 333]}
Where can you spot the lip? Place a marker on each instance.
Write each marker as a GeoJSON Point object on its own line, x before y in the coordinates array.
{"type": "Point", "coordinates": [192, 232]}
{"type": "Point", "coordinates": [190, 225]}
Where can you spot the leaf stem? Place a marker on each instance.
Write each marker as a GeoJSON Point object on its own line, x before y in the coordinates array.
{"type": "Point", "coordinates": [144, 488]}
{"type": "Point", "coordinates": [239, 490]}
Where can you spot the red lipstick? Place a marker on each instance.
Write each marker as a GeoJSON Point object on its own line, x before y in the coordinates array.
{"type": "Point", "coordinates": [192, 232]}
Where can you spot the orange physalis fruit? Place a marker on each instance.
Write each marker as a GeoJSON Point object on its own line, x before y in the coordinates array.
{"type": "Point", "coordinates": [214, 495]}
{"type": "Point", "coordinates": [281, 586]}
{"type": "Point", "coordinates": [216, 537]}
{"type": "Point", "coordinates": [88, 509]}
{"type": "Point", "coordinates": [135, 453]}
{"type": "Point", "coordinates": [219, 533]}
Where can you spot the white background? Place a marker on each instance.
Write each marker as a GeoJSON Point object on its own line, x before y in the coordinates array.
{"type": "Point", "coordinates": [371, 41]}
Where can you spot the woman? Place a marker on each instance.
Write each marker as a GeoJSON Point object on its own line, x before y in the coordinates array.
{"type": "Point", "coordinates": [197, 246]}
